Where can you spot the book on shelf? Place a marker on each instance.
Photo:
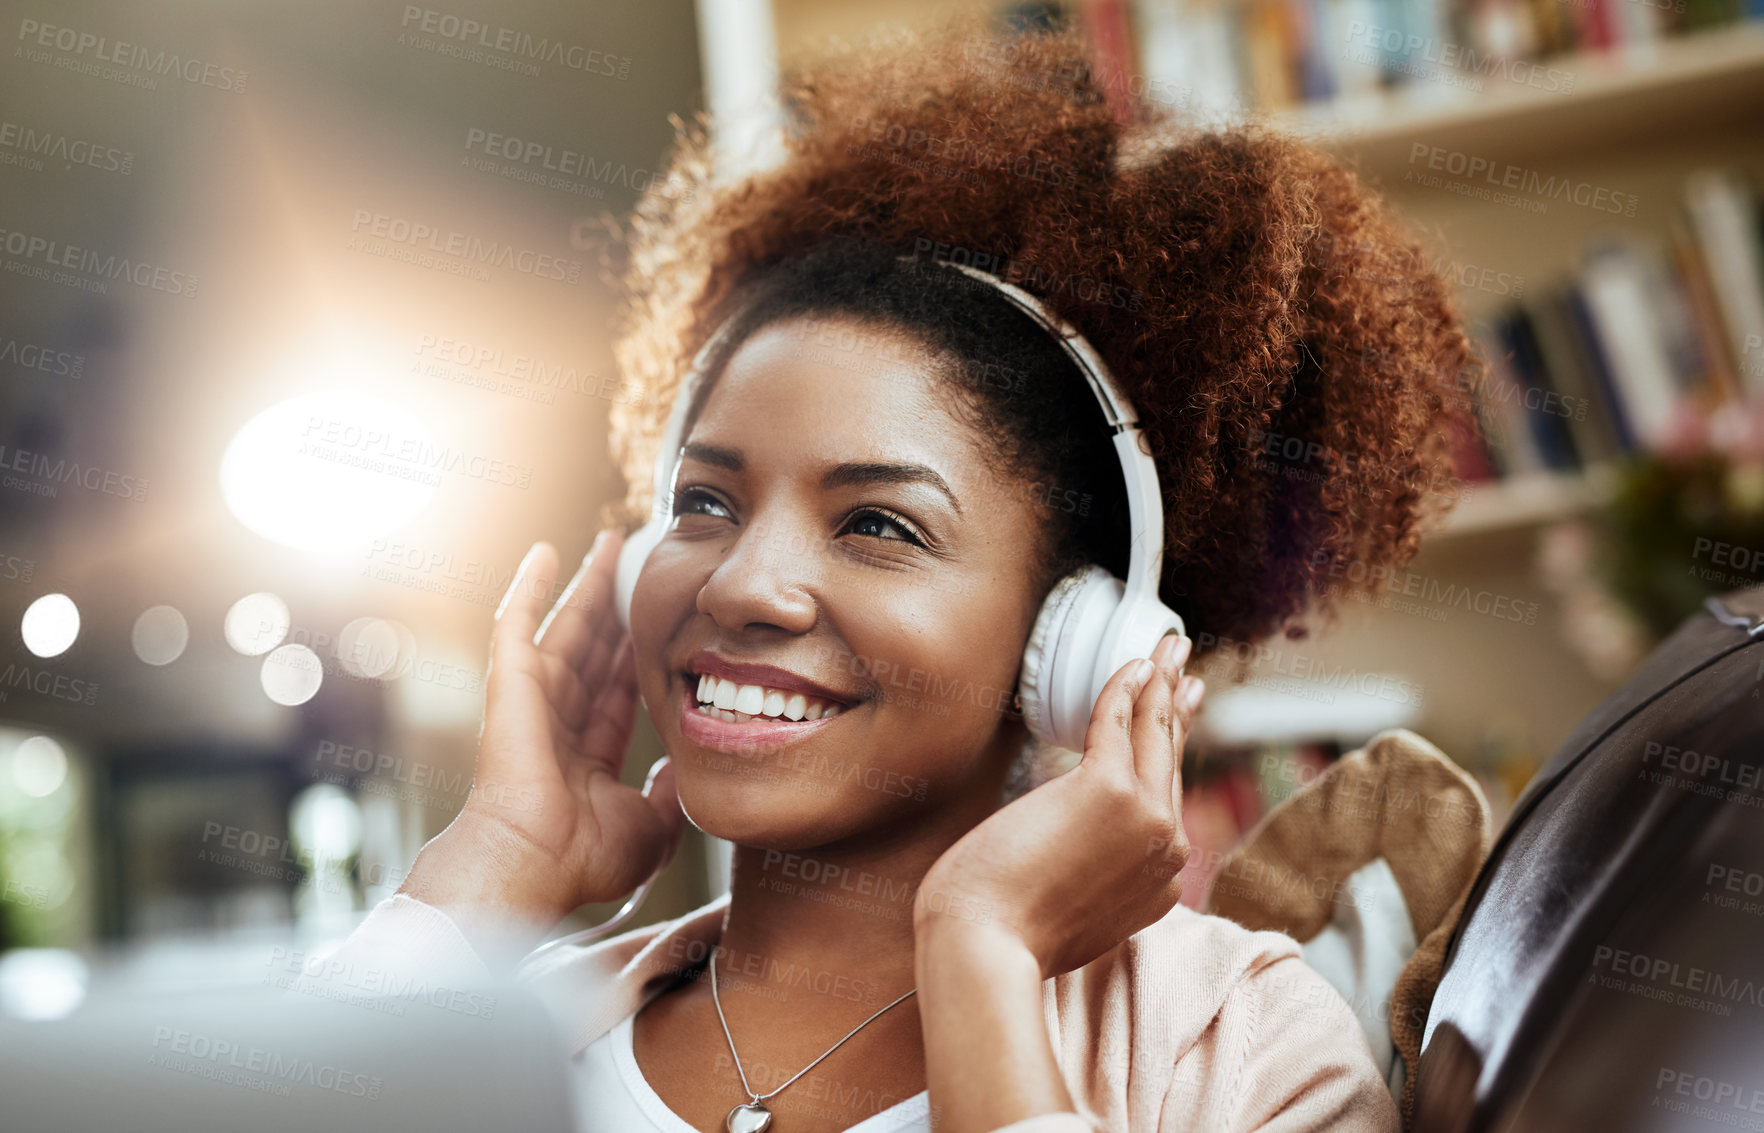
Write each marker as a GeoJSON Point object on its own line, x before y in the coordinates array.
{"type": "Point", "coordinates": [1109, 27]}
{"type": "Point", "coordinates": [1623, 293]}
{"type": "Point", "coordinates": [1723, 214]}
{"type": "Point", "coordinates": [1542, 407]}
{"type": "Point", "coordinates": [1276, 54]}
{"type": "Point", "coordinates": [1642, 335]}
{"type": "Point", "coordinates": [1561, 356]}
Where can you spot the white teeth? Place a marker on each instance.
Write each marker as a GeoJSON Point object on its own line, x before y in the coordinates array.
{"type": "Point", "coordinates": [727, 700]}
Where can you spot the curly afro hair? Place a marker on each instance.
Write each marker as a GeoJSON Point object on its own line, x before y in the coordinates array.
{"type": "Point", "coordinates": [1290, 351]}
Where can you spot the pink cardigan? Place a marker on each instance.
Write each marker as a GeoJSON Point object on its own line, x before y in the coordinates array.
{"type": "Point", "coordinates": [1191, 1024]}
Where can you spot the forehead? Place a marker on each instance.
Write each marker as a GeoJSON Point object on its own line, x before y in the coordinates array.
{"type": "Point", "coordinates": [839, 390]}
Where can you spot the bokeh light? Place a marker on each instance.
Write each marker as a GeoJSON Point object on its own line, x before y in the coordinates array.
{"type": "Point", "coordinates": [371, 647]}
{"type": "Point", "coordinates": [257, 623]}
{"type": "Point", "coordinates": [160, 635]}
{"type": "Point", "coordinates": [39, 767]}
{"type": "Point", "coordinates": [292, 675]}
{"type": "Point", "coordinates": [50, 625]}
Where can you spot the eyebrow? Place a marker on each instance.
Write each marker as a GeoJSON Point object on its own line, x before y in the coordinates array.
{"type": "Point", "coordinates": [849, 474]}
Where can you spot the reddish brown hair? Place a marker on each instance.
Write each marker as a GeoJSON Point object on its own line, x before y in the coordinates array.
{"type": "Point", "coordinates": [1288, 348]}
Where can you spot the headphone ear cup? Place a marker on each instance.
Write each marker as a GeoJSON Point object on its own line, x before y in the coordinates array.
{"type": "Point", "coordinates": [632, 555]}
{"type": "Point", "coordinates": [1054, 682]}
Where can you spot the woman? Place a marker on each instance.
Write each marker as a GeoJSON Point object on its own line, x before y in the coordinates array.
{"type": "Point", "coordinates": [887, 467]}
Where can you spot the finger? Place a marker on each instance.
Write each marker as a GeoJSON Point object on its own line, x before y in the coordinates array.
{"type": "Point", "coordinates": [1168, 655]}
{"type": "Point", "coordinates": [1191, 700]}
{"type": "Point", "coordinates": [1188, 699]}
{"type": "Point", "coordinates": [1108, 739]}
{"type": "Point", "coordinates": [614, 712]}
{"type": "Point", "coordinates": [609, 640]}
{"type": "Point", "coordinates": [517, 618]}
{"type": "Point", "coordinates": [661, 791]}
{"type": "Point", "coordinates": [584, 613]}
{"type": "Point", "coordinates": [1154, 726]}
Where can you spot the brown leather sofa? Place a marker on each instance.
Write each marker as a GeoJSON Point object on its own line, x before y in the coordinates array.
{"type": "Point", "coordinates": [1608, 971]}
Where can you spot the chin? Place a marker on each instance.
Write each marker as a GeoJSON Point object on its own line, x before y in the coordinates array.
{"type": "Point", "coordinates": [751, 803]}
{"type": "Point", "coordinates": [754, 805]}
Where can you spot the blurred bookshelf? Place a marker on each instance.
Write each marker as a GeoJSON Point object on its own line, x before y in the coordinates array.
{"type": "Point", "coordinates": [1530, 499]}
{"type": "Point", "coordinates": [1618, 94]}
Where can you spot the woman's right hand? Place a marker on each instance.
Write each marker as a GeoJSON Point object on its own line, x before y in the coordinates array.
{"type": "Point", "coordinates": [549, 825]}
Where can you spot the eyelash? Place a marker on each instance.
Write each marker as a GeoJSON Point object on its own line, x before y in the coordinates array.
{"type": "Point", "coordinates": [899, 522]}
{"type": "Point", "coordinates": [911, 536]}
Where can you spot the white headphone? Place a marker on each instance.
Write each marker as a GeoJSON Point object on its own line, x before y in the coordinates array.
{"type": "Point", "coordinates": [1091, 622]}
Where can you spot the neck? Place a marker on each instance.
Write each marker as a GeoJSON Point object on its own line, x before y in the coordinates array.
{"type": "Point", "coordinates": [842, 911]}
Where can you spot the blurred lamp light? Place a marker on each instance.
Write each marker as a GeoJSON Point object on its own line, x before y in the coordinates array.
{"type": "Point", "coordinates": [329, 472]}
{"type": "Point", "coordinates": [325, 823]}
{"type": "Point", "coordinates": [292, 675]}
{"type": "Point", "coordinates": [39, 767]}
{"type": "Point", "coordinates": [257, 623]}
{"type": "Point", "coordinates": [40, 984]}
{"type": "Point", "coordinates": [50, 625]}
{"type": "Point", "coordinates": [160, 635]}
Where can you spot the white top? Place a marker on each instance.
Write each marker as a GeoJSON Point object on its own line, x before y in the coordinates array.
{"type": "Point", "coordinates": [612, 1096]}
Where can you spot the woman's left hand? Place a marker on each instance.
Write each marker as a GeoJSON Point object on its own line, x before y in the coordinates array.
{"type": "Point", "coordinates": [1083, 862]}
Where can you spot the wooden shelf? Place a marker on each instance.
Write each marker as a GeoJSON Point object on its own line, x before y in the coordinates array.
{"type": "Point", "coordinates": [1707, 78]}
{"type": "Point", "coordinates": [1524, 501]}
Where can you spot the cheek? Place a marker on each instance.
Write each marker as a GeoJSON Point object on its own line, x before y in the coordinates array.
{"type": "Point", "coordinates": [948, 661]}
{"type": "Point", "coordinates": [663, 600]}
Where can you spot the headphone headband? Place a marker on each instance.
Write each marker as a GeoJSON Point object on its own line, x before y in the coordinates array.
{"type": "Point", "coordinates": [1117, 409]}
{"type": "Point", "coordinates": [1145, 513]}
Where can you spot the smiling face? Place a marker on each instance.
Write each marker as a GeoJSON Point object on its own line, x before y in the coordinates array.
{"type": "Point", "coordinates": [841, 541]}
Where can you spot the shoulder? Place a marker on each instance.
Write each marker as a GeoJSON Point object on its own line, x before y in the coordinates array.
{"type": "Point", "coordinates": [1223, 967]}
{"type": "Point", "coordinates": [1202, 957]}
{"type": "Point", "coordinates": [1196, 1014]}
{"type": "Point", "coordinates": [1177, 975]}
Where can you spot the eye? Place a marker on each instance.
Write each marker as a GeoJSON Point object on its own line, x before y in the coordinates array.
{"type": "Point", "coordinates": [880, 524]}
{"type": "Point", "coordinates": [697, 501]}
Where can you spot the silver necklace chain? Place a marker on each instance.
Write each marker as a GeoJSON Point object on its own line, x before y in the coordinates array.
{"type": "Point", "coordinates": [757, 1098]}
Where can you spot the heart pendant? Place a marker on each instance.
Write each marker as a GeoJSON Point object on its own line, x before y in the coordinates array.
{"type": "Point", "coordinates": [748, 1118]}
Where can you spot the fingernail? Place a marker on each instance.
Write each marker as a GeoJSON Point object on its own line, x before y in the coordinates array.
{"type": "Point", "coordinates": [1143, 669]}
{"type": "Point", "coordinates": [1195, 691]}
{"type": "Point", "coordinates": [598, 540]}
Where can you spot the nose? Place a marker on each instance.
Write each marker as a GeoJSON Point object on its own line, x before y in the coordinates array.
{"type": "Point", "coordinates": [765, 579]}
